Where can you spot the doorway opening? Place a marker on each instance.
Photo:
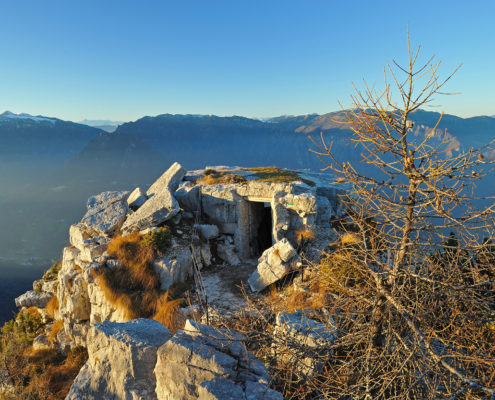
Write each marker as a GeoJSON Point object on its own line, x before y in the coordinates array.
{"type": "Point", "coordinates": [260, 227]}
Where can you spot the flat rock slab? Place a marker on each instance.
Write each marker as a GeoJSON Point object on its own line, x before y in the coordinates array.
{"type": "Point", "coordinates": [121, 361]}
{"type": "Point", "coordinates": [106, 212]}
{"type": "Point", "coordinates": [157, 209]}
{"type": "Point", "coordinates": [169, 180]}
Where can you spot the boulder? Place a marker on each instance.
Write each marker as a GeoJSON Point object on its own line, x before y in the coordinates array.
{"type": "Point", "coordinates": [106, 212]}
{"type": "Point", "coordinates": [273, 265]}
{"type": "Point", "coordinates": [174, 268]}
{"type": "Point", "coordinates": [121, 361]}
{"type": "Point", "coordinates": [188, 196]}
{"type": "Point", "coordinates": [201, 362]}
{"type": "Point", "coordinates": [93, 248]}
{"type": "Point", "coordinates": [41, 342]}
{"type": "Point", "coordinates": [157, 209]}
{"type": "Point", "coordinates": [33, 299]}
{"type": "Point", "coordinates": [136, 199]}
{"type": "Point", "coordinates": [206, 231]}
{"type": "Point", "coordinates": [227, 253]}
{"type": "Point", "coordinates": [309, 340]}
{"type": "Point", "coordinates": [169, 180]}
{"type": "Point", "coordinates": [78, 233]}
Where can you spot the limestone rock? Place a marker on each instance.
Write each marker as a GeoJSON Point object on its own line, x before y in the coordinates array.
{"type": "Point", "coordinates": [188, 196]}
{"type": "Point", "coordinates": [157, 209]}
{"type": "Point", "coordinates": [273, 265]}
{"type": "Point", "coordinates": [169, 180]}
{"type": "Point", "coordinates": [307, 336]}
{"type": "Point", "coordinates": [106, 212]}
{"type": "Point", "coordinates": [121, 361]}
{"type": "Point", "coordinates": [174, 268]}
{"type": "Point", "coordinates": [201, 362]}
{"type": "Point", "coordinates": [41, 342]}
{"type": "Point", "coordinates": [33, 299]}
{"type": "Point", "coordinates": [136, 199]}
{"type": "Point", "coordinates": [206, 231]}
{"type": "Point", "coordinates": [78, 233]}
{"type": "Point", "coordinates": [93, 248]}
{"type": "Point", "coordinates": [227, 253]}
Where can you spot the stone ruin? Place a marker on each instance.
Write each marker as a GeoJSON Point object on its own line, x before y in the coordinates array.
{"type": "Point", "coordinates": [252, 224]}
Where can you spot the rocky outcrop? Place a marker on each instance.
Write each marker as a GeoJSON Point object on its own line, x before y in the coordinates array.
{"type": "Point", "coordinates": [273, 265]}
{"type": "Point", "coordinates": [121, 361]}
{"type": "Point", "coordinates": [169, 180]}
{"type": "Point", "coordinates": [175, 267]}
{"type": "Point", "coordinates": [200, 362]}
{"type": "Point", "coordinates": [106, 212]}
{"type": "Point", "coordinates": [136, 199]}
{"type": "Point", "coordinates": [310, 341]}
{"type": "Point", "coordinates": [33, 299]}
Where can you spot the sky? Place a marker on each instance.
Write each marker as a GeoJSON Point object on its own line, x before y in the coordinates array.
{"type": "Point", "coordinates": [121, 60]}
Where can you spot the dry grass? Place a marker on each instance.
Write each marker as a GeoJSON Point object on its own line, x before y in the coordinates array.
{"type": "Point", "coordinates": [52, 306]}
{"type": "Point", "coordinates": [292, 298]}
{"type": "Point", "coordinates": [305, 235]}
{"type": "Point", "coordinates": [278, 175]}
{"type": "Point", "coordinates": [134, 286]}
{"type": "Point", "coordinates": [55, 329]}
{"type": "Point", "coordinates": [167, 312]}
{"type": "Point", "coordinates": [349, 238]}
{"type": "Point", "coordinates": [212, 177]}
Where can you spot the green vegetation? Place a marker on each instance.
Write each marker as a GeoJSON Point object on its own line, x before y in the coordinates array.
{"type": "Point", "coordinates": [38, 375]}
{"type": "Point", "coordinates": [49, 275]}
{"type": "Point", "coordinates": [277, 175]}
{"type": "Point", "coordinates": [158, 241]}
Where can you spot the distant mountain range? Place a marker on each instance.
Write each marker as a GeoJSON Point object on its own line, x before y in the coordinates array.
{"type": "Point", "coordinates": [103, 124]}
{"type": "Point", "coordinates": [49, 166]}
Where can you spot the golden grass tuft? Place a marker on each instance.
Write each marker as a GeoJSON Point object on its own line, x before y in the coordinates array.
{"type": "Point", "coordinates": [128, 249]}
{"type": "Point", "coordinates": [278, 175]}
{"type": "Point", "coordinates": [305, 235]}
{"type": "Point", "coordinates": [52, 306]}
{"type": "Point", "coordinates": [350, 238]}
{"type": "Point", "coordinates": [167, 312]}
{"type": "Point", "coordinates": [212, 177]}
{"type": "Point", "coordinates": [55, 329]}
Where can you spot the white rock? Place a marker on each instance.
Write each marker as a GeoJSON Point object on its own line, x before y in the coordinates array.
{"type": "Point", "coordinates": [174, 268]}
{"type": "Point", "coordinates": [106, 212]}
{"type": "Point", "coordinates": [121, 361]}
{"type": "Point", "coordinates": [33, 299]}
{"type": "Point", "coordinates": [201, 362]}
{"type": "Point", "coordinates": [274, 264]}
{"type": "Point", "coordinates": [136, 199]}
{"type": "Point", "coordinates": [169, 180]}
{"type": "Point", "coordinates": [78, 233]}
{"type": "Point", "coordinates": [227, 253]}
{"type": "Point", "coordinates": [41, 342]}
{"type": "Point", "coordinates": [206, 231]}
{"type": "Point", "coordinates": [157, 209]}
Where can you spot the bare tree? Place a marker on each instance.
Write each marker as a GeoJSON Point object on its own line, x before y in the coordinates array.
{"type": "Point", "coordinates": [412, 282]}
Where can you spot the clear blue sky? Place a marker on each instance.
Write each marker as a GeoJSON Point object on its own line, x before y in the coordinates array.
{"type": "Point", "coordinates": [121, 60]}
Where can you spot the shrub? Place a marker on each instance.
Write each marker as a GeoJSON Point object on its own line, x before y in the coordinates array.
{"type": "Point", "coordinates": [158, 241]}
{"type": "Point", "coordinates": [52, 273]}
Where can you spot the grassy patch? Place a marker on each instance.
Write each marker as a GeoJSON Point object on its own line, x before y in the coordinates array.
{"type": "Point", "coordinates": [277, 175]}
{"type": "Point", "coordinates": [134, 286]}
{"type": "Point", "coordinates": [52, 306]}
{"type": "Point", "coordinates": [213, 177]}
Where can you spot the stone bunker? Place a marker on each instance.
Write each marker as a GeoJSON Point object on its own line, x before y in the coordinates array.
{"type": "Point", "coordinates": [255, 214]}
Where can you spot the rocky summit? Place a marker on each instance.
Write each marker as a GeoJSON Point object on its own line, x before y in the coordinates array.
{"type": "Point", "coordinates": [223, 228]}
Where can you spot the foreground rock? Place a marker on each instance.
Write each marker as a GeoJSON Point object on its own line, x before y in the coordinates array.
{"type": "Point", "coordinates": [33, 299]}
{"type": "Point", "coordinates": [121, 361]}
{"type": "Point", "coordinates": [200, 362]}
{"type": "Point", "coordinates": [307, 340]}
{"type": "Point", "coordinates": [274, 264]}
{"type": "Point", "coordinates": [169, 180]}
{"type": "Point", "coordinates": [106, 212]}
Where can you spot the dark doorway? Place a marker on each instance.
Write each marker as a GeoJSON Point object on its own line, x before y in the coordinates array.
{"type": "Point", "coordinates": [260, 215]}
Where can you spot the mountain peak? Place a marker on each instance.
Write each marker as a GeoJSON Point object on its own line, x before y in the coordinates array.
{"type": "Point", "coordinates": [9, 115]}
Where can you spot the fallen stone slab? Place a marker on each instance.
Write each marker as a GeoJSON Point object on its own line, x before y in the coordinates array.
{"type": "Point", "coordinates": [169, 180]}
{"type": "Point", "coordinates": [274, 264]}
{"type": "Point", "coordinates": [106, 212]}
{"type": "Point", "coordinates": [136, 199]}
{"type": "Point", "coordinates": [121, 361]}
{"type": "Point", "coordinates": [206, 231]}
{"type": "Point", "coordinates": [157, 209]}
